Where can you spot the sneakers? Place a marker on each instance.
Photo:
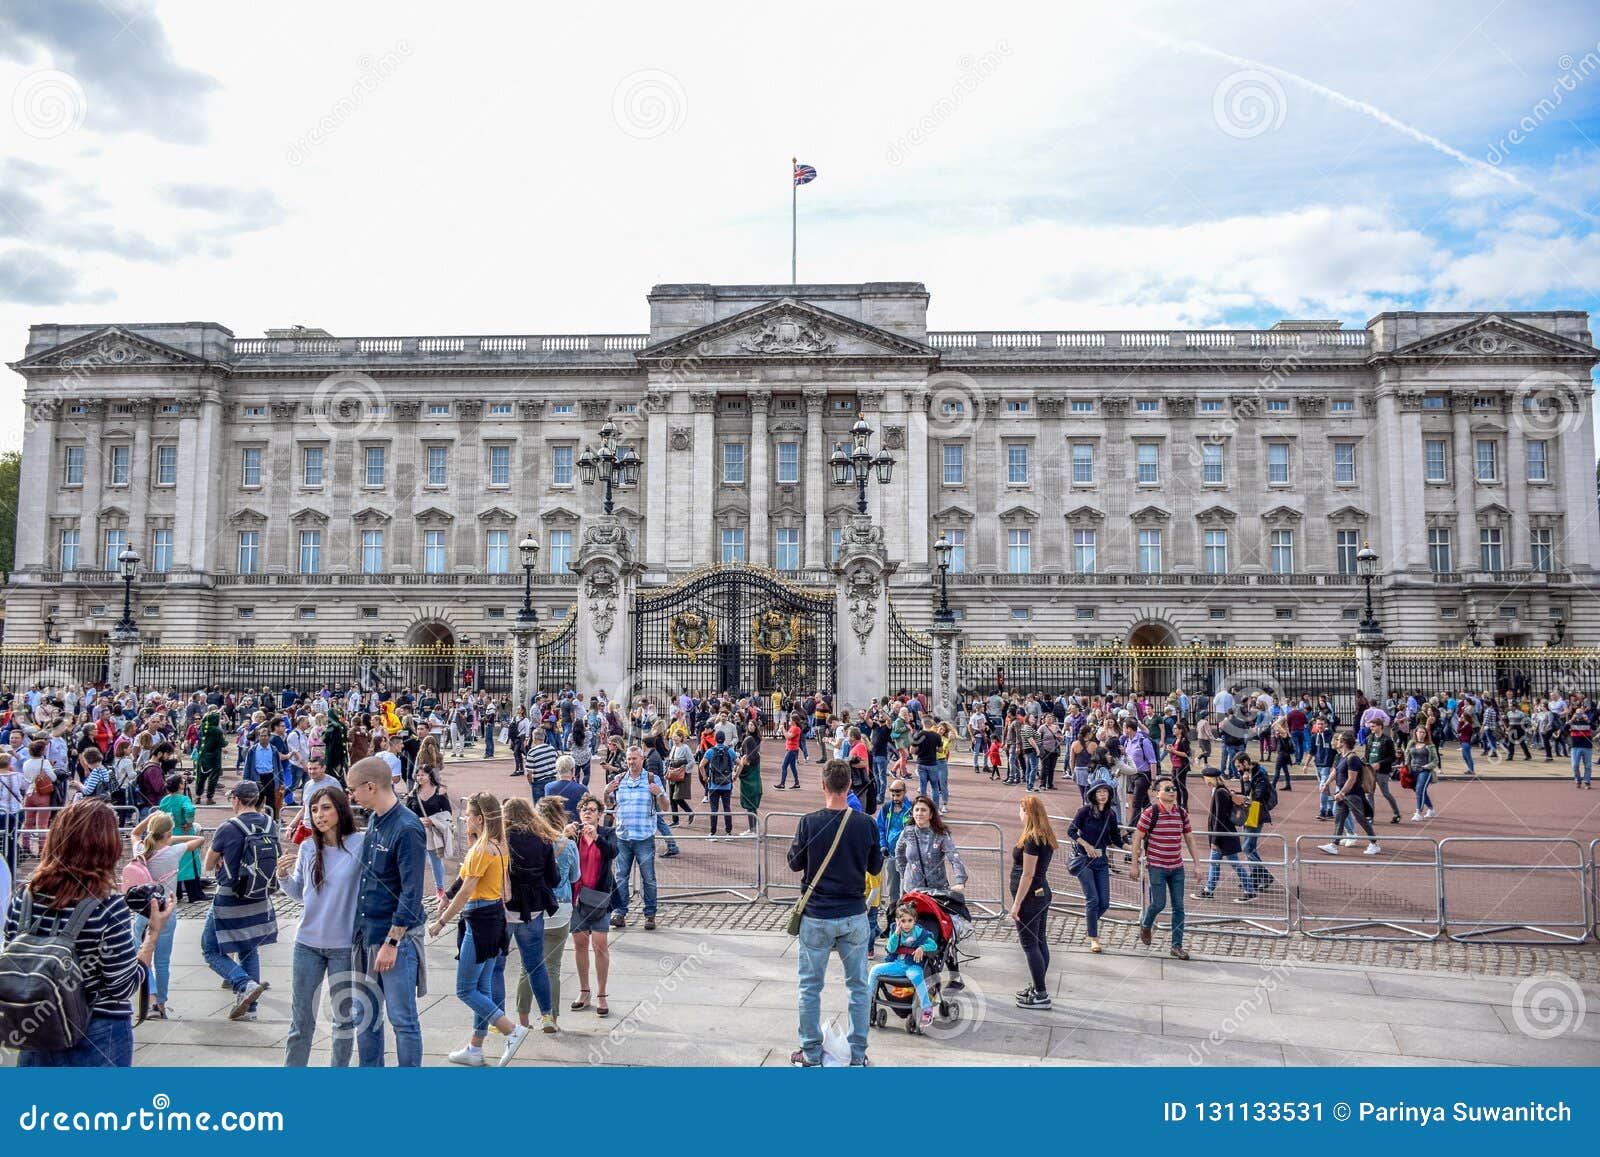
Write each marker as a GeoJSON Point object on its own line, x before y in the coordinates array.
{"type": "Point", "coordinates": [1349, 842]}
{"type": "Point", "coordinates": [547, 1024]}
{"type": "Point", "coordinates": [1330, 849]}
{"type": "Point", "coordinates": [669, 853]}
{"type": "Point", "coordinates": [1034, 999]}
{"type": "Point", "coordinates": [927, 1016]}
{"type": "Point", "coordinates": [1428, 815]}
{"type": "Point", "coordinates": [513, 1043]}
{"type": "Point", "coordinates": [799, 1060]}
{"type": "Point", "coordinates": [746, 835]}
{"type": "Point", "coordinates": [1416, 817]}
{"type": "Point", "coordinates": [247, 996]}
{"type": "Point", "coordinates": [1203, 896]}
{"type": "Point", "coordinates": [1372, 850]}
{"type": "Point", "coordinates": [1247, 898]}
{"type": "Point", "coordinates": [469, 1056]}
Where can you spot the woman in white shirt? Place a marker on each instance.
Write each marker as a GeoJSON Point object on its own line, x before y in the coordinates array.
{"type": "Point", "coordinates": [14, 789]}
{"type": "Point", "coordinates": [325, 876]}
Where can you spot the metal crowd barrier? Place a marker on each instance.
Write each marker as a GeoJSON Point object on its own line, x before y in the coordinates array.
{"type": "Point", "coordinates": [709, 866]}
{"type": "Point", "coordinates": [1127, 894]}
{"type": "Point", "coordinates": [1534, 900]}
{"type": "Point", "coordinates": [22, 839]}
{"type": "Point", "coordinates": [1271, 881]}
{"type": "Point", "coordinates": [1594, 888]}
{"type": "Point", "coordinates": [1352, 896]}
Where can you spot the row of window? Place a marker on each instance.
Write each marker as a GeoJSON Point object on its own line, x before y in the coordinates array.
{"type": "Point", "coordinates": [1143, 406]}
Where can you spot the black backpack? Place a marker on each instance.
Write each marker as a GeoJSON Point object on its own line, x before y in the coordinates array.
{"type": "Point", "coordinates": [253, 868]}
{"type": "Point", "coordinates": [43, 1002]}
{"type": "Point", "coordinates": [719, 766]}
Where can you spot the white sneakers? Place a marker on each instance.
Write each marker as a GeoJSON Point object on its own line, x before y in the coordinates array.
{"type": "Point", "coordinates": [474, 1058]}
{"type": "Point", "coordinates": [1416, 817]}
{"type": "Point", "coordinates": [467, 1055]}
{"type": "Point", "coordinates": [1331, 849]}
{"type": "Point", "coordinates": [1372, 850]}
{"type": "Point", "coordinates": [513, 1043]}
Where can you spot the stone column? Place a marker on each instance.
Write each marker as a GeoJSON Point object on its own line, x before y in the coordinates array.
{"type": "Point", "coordinates": [90, 550]}
{"type": "Point", "coordinates": [946, 670]}
{"type": "Point", "coordinates": [40, 473]}
{"type": "Point", "coordinates": [1053, 483]}
{"type": "Point", "coordinates": [703, 500]}
{"type": "Point", "coordinates": [199, 445]}
{"type": "Point", "coordinates": [607, 573]}
{"type": "Point", "coordinates": [758, 484]}
{"type": "Point", "coordinates": [1372, 672]}
{"type": "Point", "coordinates": [1514, 547]}
{"type": "Point", "coordinates": [861, 614]}
{"type": "Point", "coordinates": [655, 483]}
{"type": "Point", "coordinates": [913, 467]}
{"type": "Point", "coordinates": [816, 536]}
{"type": "Point", "coordinates": [1466, 546]}
{"type": "Point", "coordinates": [1573, 456]}
{"type": "Point", "coordinates": [139, 478]}
{"type": "Point", "coordinates": [122, 658]}
{"type": "Point", "coordinates": [525, 663]}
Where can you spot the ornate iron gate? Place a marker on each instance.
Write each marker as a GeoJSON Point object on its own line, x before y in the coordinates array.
{"type": "Point", "coordinates": [910, 657]}
{"type": "Point", "coordinates": [734, 628]}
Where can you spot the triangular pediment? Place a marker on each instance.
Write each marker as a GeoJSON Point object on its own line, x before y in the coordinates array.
{"type": "Point", "coordinates": [109, 348]}
{"type": "Point", "coordinates": [1086, 513]}
{"type": "Point", "coordinates": [369, 514]}
{"type": "Point", "coordinates": [1494, 508]}
{"type": "Point", "coordinates": [1348, 513]}
{"type": "Point", "coordinates": [787, 329]}
{"type": "Point", "coordinates": [433, 516]}
{"type": "Point", "coordinates": [248, 516]}
{"type": "Point", "coordinates": [1282, 514]}
{"type": "Point", "coordinates": [498, 514]}
{"type": "Point", "coordinates": [554, 514]}
{"type": "Point", "coordinates": [1019, 513]}
{"type": "Point", "coordinates": [1216, 514]}
{"type": "Point", "coordinates": [955, 511]}
{"type": "Point", "coordinates": [1151, 514]}
{"type": "Point", "coordinates": [1498, 339]}
{"type": "Point", "coordinates": [113, 512]}
{"type": "Point", "coordinates": [306, 514]}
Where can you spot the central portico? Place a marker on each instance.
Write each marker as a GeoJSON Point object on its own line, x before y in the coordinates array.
{"type": "Point", "coordinates": [757, 367]}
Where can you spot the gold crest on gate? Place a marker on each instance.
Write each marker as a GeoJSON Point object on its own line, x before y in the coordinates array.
{"type": "Point", "coordinates": [774, 634]}
{"type": "Point", "coordinates": [693, 634]}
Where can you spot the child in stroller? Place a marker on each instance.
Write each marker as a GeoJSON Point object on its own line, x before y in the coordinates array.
{"type": "Point", "coordinates": [911, 987]}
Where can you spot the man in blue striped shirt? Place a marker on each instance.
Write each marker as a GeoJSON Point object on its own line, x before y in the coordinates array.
{"type": "Point", "coordinates": [636, 795]}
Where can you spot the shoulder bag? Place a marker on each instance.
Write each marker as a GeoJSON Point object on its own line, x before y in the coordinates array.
{"type": "Point", "coordinates": [793, 926]}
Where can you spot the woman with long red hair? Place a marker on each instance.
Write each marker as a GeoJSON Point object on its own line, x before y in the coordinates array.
{"type": "Point", "coordinates": [79, 866]}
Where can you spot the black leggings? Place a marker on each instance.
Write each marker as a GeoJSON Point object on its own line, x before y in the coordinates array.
{"type": "Point", "coordinates": [1358, 809]}
{"type": "Point", "coordinates": [1031, 931]}
{"type": "Point", "coordinates": [723, 800]}
{"type": "Point", "coordinates": [1047, 769]}
{"type": "Point", "coordinates": [680, 803]}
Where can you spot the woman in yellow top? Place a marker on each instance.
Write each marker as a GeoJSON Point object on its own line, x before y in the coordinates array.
{"type": "Point", "coordinates": [484, 938]}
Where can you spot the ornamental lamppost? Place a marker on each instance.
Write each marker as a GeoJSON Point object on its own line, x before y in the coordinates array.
{"type": "Point", "coordinates": [529, 549]}
{"type": "Point", "coordinates": [1367, 562]}
{"type": "Point", "coordinates": [609, 462]}
{"type": "Point", "coordinates": [50, 635]}
{"type": "Point", "coordinates": [859, 464]}
{"type": "Point", "coordinates": [128, 567]}
{"type": "Point", "coordinates": [942, 550]}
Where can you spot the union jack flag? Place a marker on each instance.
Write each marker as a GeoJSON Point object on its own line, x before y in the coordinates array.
{"type": "Point", "coordinates": [804, 173]}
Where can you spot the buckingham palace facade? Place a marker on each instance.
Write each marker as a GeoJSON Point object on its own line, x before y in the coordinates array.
{"type": "Point", "coordinates": [1147, 487]}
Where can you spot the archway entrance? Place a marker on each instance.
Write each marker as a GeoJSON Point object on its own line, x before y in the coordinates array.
{"type": "Point", "coordinates": [430, 658]}
{"type": "Point", "coordinates": [1155, 672]}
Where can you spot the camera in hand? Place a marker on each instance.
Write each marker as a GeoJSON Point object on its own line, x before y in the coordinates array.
{"type": "Point", "coordinates": [144, 899]}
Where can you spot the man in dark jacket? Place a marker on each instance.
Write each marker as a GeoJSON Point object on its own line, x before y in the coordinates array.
{"type": "Point", "coordinates": [1255, 796]}
{"type": "Point", "coordinates": [1224, 840]}
{"type": "Point", "coordinates": [834, 849]}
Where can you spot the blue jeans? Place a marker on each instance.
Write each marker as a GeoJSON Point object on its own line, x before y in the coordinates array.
{"type": "Point", "coordinates": [880, 774]}
{"type": "Point", "coordinates": [644, 852]}
{"type": "Point", "coordinates": [161, 974]}
{"type": "Point", "coordinates": [791, 763]}
{"type": "Point", "coordinates": [529, 936]}
{"type": "Point", "coordinates": [240, 974]}
{"type": "Point", "coordinates": [1424, 800]}
{"type": "Point", "coordinates": [1030, 768]}
{"type": "Point", "coordinates": [927, 781]}
{"type": "Point", "coordinates": [1229, 753]}
{"type": "Point", "coordinates": [1162, 882]}
{"type": "Point", "coordinates": [1301, 744]}
{"type": "Point", "coordinates": [941, 772]}
{"type": "Point", "coordinates": [488, 741]}
{"type": "Point", "coordinates": [820, 939]}
{"type": "Point", "coordinates": [1216, 870]}
{"type": "Point", "coordinates": [1325, 801]}
{"type": "Point", "coordinates": [1095, 880]}
{"type": "Point", "coordinates": [438, 869]}
{"type": "Point", "coordinates": [1261, 877]}
{"type": "Point", "coordinates": [1585, 756]}
{"type": "Point", "coordinates": [396, 989]}
{"type": "Point", "coordinates": [310, 966]}
{"type": "Point", "coordinates": [1466, 757]}
{"type": "Point", "coordinates": [663, 830]}
{"type": "Point", "coordinates": [107, 1044]}
{"type": "Point", "coordinates": [475, 979]}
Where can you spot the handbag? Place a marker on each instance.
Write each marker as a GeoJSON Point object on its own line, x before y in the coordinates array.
{"type": "Point", "coordinates": [799, 910]}
{"type": "Point", "coordinates": [588, 899]}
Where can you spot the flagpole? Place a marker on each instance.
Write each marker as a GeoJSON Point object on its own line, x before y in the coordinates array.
{"type": "Point", "coordinates": [794, 228]}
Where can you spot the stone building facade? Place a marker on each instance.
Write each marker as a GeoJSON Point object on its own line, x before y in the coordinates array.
{"type": "Point", "coordinates": [1154, 488]}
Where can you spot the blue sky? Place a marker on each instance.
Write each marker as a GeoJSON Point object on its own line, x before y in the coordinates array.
{"type": "Point", "coordinates": [408, 168]}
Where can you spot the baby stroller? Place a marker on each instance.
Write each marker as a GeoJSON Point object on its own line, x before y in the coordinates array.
{"type": "Point", "coordinates": [897, 994]}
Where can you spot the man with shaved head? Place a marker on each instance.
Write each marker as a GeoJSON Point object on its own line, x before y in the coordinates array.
{"type": "Point", "coordinates": [389, 915]}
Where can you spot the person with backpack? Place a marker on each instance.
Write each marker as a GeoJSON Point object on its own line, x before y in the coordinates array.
{"type": "Point", "coordinates": [1162, 834]}
{"type": "Point", "coordinates": [1224, 836]}
{"type": "Point", "coordinates": [716, 776]}
{"type": "Point", "coordinates": [1352, 783]}
{"type": "Point", "coordinates": [244, 856]}
{"type": "Point", "coordinates": [1258, 795]}
{"type": "Point", "coordinates": [71, 965]}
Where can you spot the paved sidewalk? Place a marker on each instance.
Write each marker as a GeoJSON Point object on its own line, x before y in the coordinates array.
{"type": "Point", "coordinates": [693, 997]}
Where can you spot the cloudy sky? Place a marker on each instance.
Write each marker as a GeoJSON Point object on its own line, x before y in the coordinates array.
{"type": "Point", "coordinates": [404, 168]}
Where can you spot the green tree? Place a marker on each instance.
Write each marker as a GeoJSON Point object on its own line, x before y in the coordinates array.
{"type": "Point", "coordinates": [10, 477]}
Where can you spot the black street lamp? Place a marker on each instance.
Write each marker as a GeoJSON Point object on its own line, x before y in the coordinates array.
{"type": "Point", "coordinates": [50, 635]}
{"type": "Point", "coordinates": [1367, 561]}
{"type": "Point", "coordinates": [529, 549]}
{"type": "Point", "coordinates": [942, 550]}
{"type": "Point", "coordinates": [858, 464]}
{"type": "Point", "coordinates": [128, 567]}
{"type": "Point", "coordinates": [609, 462]}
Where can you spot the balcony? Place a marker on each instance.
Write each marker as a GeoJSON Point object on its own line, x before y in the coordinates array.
{"type": "Point", "coordinates": [1133, 579]}
{"type": "Point", "coordinates": [392, 579]}
{"type": "Point", "coordinates": [1506, 578]}
{"type": "Point", "coordinates": [1207, 345]}
{"type": "Point", "coordinates": [595, 350]}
